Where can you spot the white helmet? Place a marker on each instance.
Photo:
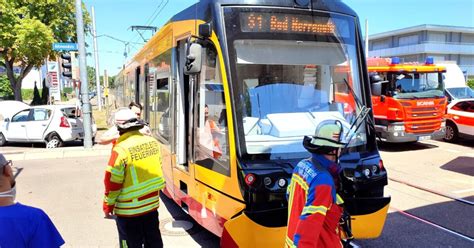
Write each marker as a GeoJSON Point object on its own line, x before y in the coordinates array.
{"type": "Point", "coordinates": [125, 119]}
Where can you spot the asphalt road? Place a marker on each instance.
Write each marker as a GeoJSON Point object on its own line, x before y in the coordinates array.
{"type": "Point", "coordinates": [70, 191]}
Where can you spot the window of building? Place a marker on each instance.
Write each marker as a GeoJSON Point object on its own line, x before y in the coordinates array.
{"type": "Point", "coordinates": [437, 37]}
{"type": "Point", "coordinates": [408, 40]}
{"type": "Point", "coordinates": [380, 44]}
{"type": "Point", "coordinates": [210, 130]}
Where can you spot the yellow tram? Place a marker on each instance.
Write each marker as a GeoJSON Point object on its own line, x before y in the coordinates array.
{"type": "Point", "coordinates": [230, 87]}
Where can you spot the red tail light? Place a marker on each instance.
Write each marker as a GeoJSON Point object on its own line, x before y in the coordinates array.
{"type": "Point", "coordinates": [64, 122]}
{"type": "Point", "coordinates": [250, 179]}
{"type": "Point", "coordinates": [380, 164]}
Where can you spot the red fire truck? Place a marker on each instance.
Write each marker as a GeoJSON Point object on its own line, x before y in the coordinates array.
{"type": "Point", "coordinates": [408, 99]}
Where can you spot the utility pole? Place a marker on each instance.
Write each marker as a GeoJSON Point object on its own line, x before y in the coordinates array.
{"type": "Point", "coordinates": [86, 106]}
{"type": "Point", "coordinates": [366, 38]}
{"type": "Point", "coordinates": [106, 92]}
{"type": "Point", "coordinates": [96, 58]}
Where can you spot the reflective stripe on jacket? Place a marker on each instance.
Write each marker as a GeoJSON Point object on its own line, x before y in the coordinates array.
{"type": "Point", "coordinates": [133, 177]}
{"type": "Point", "coordinates": [313, 211]}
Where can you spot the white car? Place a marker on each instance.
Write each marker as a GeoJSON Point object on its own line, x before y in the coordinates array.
{"type": "Point", "coordinates": [460, 119]}
{"type": "Point", "coordinates": [53, 124]}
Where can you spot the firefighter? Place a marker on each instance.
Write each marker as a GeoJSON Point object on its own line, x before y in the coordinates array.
{"type": "Point", "coordinates": [313, 206]}
{"type": "Point", "coordinates": [133, 180]}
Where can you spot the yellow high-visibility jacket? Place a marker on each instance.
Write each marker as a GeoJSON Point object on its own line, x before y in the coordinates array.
{"type": "Point", "coordinates": [133, 177]}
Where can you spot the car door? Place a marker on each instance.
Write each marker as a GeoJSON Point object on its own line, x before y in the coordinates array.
{"type": "Point", "coordinates": [15, 129]}
{"type": "Point", "coordinates": [463, 115]}
{"type": "Point", "coordinates": [35, 128]}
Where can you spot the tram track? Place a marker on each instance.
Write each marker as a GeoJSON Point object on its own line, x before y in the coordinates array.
{"type": "Point", "coordinates": [464, 201]}
{"type": "Point", "coordinates": [426, 220]}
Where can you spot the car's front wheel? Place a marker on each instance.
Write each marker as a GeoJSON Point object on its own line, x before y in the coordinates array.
{"type": "Point", "coordinates": [54, 141]}
{"type": "Point", "coordinates": [3, 141]}
{"type": "Point", "coordinates": [451, 132]}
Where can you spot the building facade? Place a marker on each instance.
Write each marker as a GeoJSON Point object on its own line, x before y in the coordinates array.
{"type": "Point", "coordinates": [414, 44]}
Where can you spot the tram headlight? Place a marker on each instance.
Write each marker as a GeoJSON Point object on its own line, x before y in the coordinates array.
{"type": "Point", "coordinates": [281, 182]}
{"type": "Point", "coordinates": [366, 172]}
{"type": "Point", "coordinates": [374, 169]}
{"type": "Point", "coordinates": [267, 181]}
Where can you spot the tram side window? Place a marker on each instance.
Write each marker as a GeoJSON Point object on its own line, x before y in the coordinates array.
{"type": "Point", "coordinates": [212, 149]}
{"type": "Point", "coordinates": [162, 105]}
{"type": "Point", "coordinates": [152, 98]}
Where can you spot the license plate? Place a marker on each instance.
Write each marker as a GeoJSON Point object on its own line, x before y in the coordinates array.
{"type": "Point", "coordinates": [421, 138]}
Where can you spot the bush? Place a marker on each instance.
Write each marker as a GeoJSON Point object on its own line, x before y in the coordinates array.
{"type": "Point", "coordinates": [67, 90]}
{"type": "Point", "coordinates": [470, 83]}
{"type": "Point", "coordinates": [5, 91]}
{"type": "Point", "coordinates": [27, 94]}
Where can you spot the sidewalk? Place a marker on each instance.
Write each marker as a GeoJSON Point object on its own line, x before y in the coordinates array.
{"type": "Point", "coordinates": [63, 152]}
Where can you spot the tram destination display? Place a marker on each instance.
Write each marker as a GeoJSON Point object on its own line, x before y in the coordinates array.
{"type": "Point", "coordinates": [286, 23]}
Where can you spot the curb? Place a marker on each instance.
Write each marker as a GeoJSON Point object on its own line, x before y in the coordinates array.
{"type": "Point", "coordinates": [59, 153]}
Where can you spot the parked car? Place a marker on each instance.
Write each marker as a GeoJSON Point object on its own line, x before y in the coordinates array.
{"type": "Point", "coordinates": [53, 124]}
{"type": "Point", "coordinates": [460, 119]}
{"type": "Point", "coordinates": [8, 108]}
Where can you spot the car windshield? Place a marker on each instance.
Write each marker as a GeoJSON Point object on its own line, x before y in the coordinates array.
{"type": "Point", "coordinates": [416, 85]}
{"type": "Point", "coordinates": [285, 89]}
{"type": "Point", "coordinates": [461, 92]}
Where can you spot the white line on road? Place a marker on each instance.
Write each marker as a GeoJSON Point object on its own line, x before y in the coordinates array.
{"type": "Point", "coordinates": [451, 150]}
{"type": "Point", "coordinates": [463, 191]}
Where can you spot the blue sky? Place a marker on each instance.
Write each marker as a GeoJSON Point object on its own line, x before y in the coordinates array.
{"type": "Point", "coordinates": [114, 17]}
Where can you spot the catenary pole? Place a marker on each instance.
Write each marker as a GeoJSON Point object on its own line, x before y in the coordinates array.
{"type": "Point", "coordinates": [96, 58]}
{"type": "Point", "coordinates": [366, 38]}
{"type": "Point", "coordinates": [86, 107]}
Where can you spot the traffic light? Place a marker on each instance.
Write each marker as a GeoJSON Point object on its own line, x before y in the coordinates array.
{"type": "Point", "coordinates": [66, 65]}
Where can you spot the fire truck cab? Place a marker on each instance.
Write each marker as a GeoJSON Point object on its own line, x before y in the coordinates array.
{"type": "Point", "coordinates": [408, 99]}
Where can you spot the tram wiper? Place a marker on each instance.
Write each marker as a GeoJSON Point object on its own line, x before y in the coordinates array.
{"type": "Point", "coordinates": [259, 116]}
{"type": "Point", "coordinates": [363, 108]}
{"type": "Point", "coordinates": [359, 120]}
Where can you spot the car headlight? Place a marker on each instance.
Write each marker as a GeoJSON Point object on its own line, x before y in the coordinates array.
{"type": "Point", "coordinates": [443, 124]}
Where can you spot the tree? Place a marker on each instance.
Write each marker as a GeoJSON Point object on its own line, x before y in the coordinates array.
{"type": "Point", "coordinates": [44, 93]}
{"type": "Point", "coordinates": [91, 77]}
{"type": "Point", "coordinates": [28, 30]}
{"type": "Point", "coordinates": [36, 97]}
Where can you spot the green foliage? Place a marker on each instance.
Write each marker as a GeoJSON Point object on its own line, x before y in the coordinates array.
{"type": "Point", "coordinates": [27, 94]}
{"type": "Point", "coordinates": [68, 90]}
{"type": "Point", "coordinates": [470, 83]}
{"type": "Point", "coordinates": [5, 89]}
{"type": "Point", "coordinates": [36, 97]}
{"type": "Point", "coordinates": [29, 28]}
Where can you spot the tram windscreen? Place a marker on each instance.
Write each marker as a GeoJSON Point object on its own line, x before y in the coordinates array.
{"type": "Point", "coordinates": [288, 84]}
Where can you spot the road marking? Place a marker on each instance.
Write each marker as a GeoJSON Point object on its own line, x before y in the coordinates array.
{"type": "Point", "coordinates": [451, 150]}
{"type": "Point", "coordinates": [463, 191]}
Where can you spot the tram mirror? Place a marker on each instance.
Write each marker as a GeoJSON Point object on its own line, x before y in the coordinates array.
{"type": "Point", "coordinates": [193, 59]}
{"type": "Point", "coordinates": [205, 30]}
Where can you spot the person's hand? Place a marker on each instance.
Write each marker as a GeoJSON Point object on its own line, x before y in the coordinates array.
{"type": "Point", "coordinates": [109, 215]}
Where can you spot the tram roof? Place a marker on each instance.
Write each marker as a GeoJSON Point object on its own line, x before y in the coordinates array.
{"type": "Point", "coordinates": [203, 6]}
{"type": "Point", "coordinates": [325, 5]}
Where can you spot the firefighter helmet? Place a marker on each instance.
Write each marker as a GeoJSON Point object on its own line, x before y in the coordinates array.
{"type": "Point", "coordinates": [126, 119]}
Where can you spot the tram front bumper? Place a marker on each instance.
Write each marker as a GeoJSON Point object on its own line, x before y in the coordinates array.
{"type": "Point", "coordinates": [367, 215]}
{"type": "Point", "coordinates": [243, 232]}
